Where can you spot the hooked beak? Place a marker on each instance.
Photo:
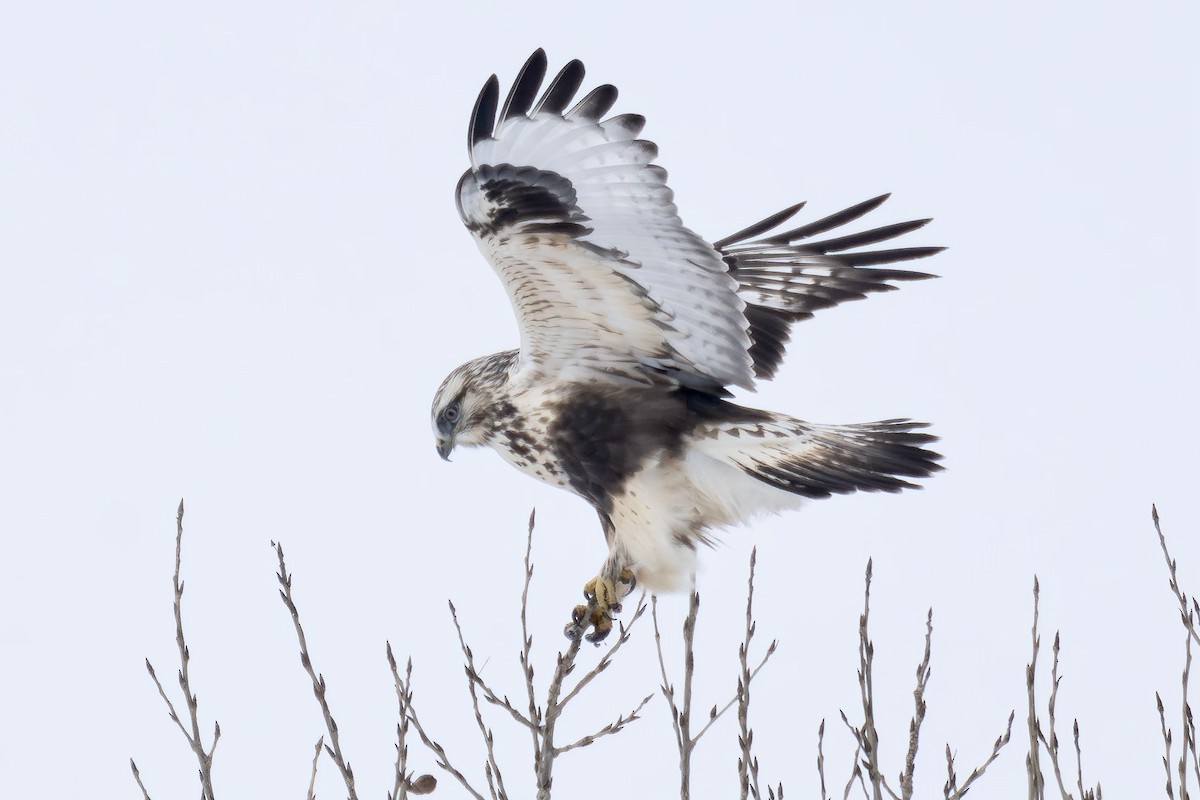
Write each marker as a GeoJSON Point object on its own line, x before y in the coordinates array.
{"type": "Point", "coordinates": [444, 447]}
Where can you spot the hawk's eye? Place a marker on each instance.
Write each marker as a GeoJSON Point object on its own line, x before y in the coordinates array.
{"type": "Point", "coordinates": [451, 413]}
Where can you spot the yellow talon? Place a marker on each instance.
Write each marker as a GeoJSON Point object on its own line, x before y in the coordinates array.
{"type": "Point", "coordinates": [603, 599]}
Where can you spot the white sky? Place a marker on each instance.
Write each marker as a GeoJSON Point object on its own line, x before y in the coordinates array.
{"type": "Point", "coordinates": [232, 271]}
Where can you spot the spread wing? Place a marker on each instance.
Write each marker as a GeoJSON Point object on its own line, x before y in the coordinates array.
{"type": "Point", "coordinates": [583, 232]}
{"type": "Point", "coordinates": [787, 276]}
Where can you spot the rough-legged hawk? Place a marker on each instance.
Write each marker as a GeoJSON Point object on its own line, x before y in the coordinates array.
{"type": "Point", "coordinates": [632, 327]}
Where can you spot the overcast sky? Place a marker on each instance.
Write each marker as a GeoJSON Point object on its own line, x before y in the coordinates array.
{"type": "Point", "coordinates": [231, 271]}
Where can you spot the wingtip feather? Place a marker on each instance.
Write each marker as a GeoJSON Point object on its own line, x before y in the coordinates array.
{"type": "Point", "coordinates": [483, 115]}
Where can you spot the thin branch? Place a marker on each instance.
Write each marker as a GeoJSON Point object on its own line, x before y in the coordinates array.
{"type": "Point", "coordinates": [404, 696]}
{"type": "Point", "coordinates": [544, 766]}
{"type": "Point", "coordinates": [715, 714]}
{"type": "Point", "coordinates": [535, 713]}
{"type": "Point", "coordinates": [1033, 767]}
{"type": "Point", "coordinates": [681, 715]}
{"type": "Point", "coordinates": [1051, 744]}
{"type": "Point", "coordinates": [868, 734]}
{"type": "Point", "coordinates": [1166, 734]}
{"type": "Point", "coordinates": [474, 680]}
{"type": "Point", "coordinates": [334, 748]}
{"type": "Point", "coordinates": [668, 689]}
{"type": "Point", "coordinates": [137, 776]}
{"type": "Point", "coordinates": [606, 659]}
{"type": "Point", "coordinates": [1185, 617]}
{"type": "Point", "coordinates": [312, 780]}
{"type": "Point", "coordinates": [747, 764]}
{"type": "Point", "coordinates": [193, 737]}
{"type": "Point", "coordinates": [977, 773]}
{"type": "Point", "coordinates": [607, 730]}
{"type": "Point", "coordinates": [1189, 742]}
{"type": "Point", "coordinates": [914, 727]}
{"type": "Point", "coordinates": [821, 758]}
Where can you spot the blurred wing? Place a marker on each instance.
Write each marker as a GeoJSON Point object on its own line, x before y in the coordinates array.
{"type": "Point", "coordinates": [787, 276]}
{"type": "Point", "coordinates": [583, 232]}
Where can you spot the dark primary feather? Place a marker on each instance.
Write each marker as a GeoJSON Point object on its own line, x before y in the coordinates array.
{"type": "Point", "coordinates": [525, 87]}
{"type": "Point", "coordinates": [784, 280]}
{"type": "Point", "coordinates": [483, 115]}
{"type": "Point", "coordinates": [596, 104]}
{"type": "Point", "coordinates": [762, 226]}
{"type": "Point", "coordinates": [832, 221]}
{"type": "Point", "coordinates": [562, 89]}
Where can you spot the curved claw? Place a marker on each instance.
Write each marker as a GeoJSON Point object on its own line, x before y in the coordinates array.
{"type": "Point", "coordinates": [603, 600]}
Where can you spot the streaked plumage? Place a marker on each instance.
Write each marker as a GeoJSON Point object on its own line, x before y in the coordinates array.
{"type": "Point", "coordinates": [632, 329]}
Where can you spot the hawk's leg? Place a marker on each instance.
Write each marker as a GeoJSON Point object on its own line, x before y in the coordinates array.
{"type": "Point", "coordinates": [604, 595]}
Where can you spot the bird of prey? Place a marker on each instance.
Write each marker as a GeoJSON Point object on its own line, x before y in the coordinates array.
{"type": "Point", "coordinates": [632, 330]}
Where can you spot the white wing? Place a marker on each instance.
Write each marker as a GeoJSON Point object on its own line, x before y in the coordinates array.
{"type": "Point", "coordinates": [583, 231]}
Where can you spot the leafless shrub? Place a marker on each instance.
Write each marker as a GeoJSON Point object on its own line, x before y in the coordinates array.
{"type": "Point", "coordinates": [542, 711]}
{"type": "Point", "coordinates": [866, 769]}
{"type": "Point", "coordinates": [540, 718]}
{"type": "Point", "coordinates": [681, 712]}
{"type": "Point", "coordinates": [203, 756]}
{"type": "Point", "coordinates": [1189, 610]}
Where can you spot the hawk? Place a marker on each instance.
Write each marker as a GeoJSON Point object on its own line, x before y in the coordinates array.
{"type": "Point", "coordinates": [633, 329]}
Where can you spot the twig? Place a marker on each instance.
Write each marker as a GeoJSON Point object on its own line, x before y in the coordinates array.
{"type": "Point", "coordinates": [137, 776]}
{"type": "Point", "coordinates": [977, 773]}
{"type": "Point", "coordinates": [193, 737]}
{"type": "Point", "coordinates": [914, 727]}
{"type": "Point", "coordinates": [1189, 742]}
{"type": "Point", "coordinates": [1188, 610]}
{"type": "Point", "coordinates": [1033, 767]}
{"type": "Point", "coordinates": [404, 696]}
{"type": "Point", "coordinates": [607, 730]}
{"type": "Point", "coordinates": [1166, 734]}
{"type": "Point", "coordinates": [1051, 744]}
{"type": "Point", "coordinates": [535, 714]}
{"type": "Point", "coordinates": [868, 734]}
{"type": "Point", "coordinates": [544, 766]}
{"type": "Point", "coordinates": [1185, 618]}
{"type": "Point", "coordinates": [312, 780]}
{"type": "Point", "coordinates": [625, 631]}
{"type": "Point", "coordinates": [681, 715]}
{"type": "Point", "coordinates": [747, 763]}
{"type": "Point", "coordinates": [474, 680]}
{"type": "Point", "coordinates": [821, 758]}
{"type": "Point", "coordinates": [334, 748]}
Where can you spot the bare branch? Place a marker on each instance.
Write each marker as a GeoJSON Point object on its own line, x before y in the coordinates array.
{"type": "Point", "coordinates": [473, 680]}
{"type": "Point", "coordinates": [405, 697]}
{"type": "Point", "coordinates": [868, 735]}
{"type": "Point", "coordinates": [606, 659]}
{"type": "Point", "coordinates": [1033, 767]}
{"type": "Point", "coordinates": [535, 713]}
{"type": "Point", "coordinates": [1184, 605]}
{"type": "Point", "coordinates": [204, 757]}
{"type": "Point", "coordinates": [334, 748]}
{"type": "Point", "coordinates": [914, 727]}
{"type": "Point", "coordinates": [747, 764]}
{"type": "Point", "coordinates": [544, 767]}
{"type": "Point", "coordinates": [821, 758]}
{"type": "Point", "coordinates": [312, 780]}
{"type": "Point", "coordinates": [977, 773]}
{"type": "Point", "coordinates": [607, 730]}
{"type": "Point", "coordinates": [1166, 734]}
{"type": "Point", "coordinates": [1051, 744]}
{"type": "Point", "coordinates": [137, 776]}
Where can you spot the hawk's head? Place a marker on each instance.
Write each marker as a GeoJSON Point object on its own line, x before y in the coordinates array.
{"type": "Point", "coordinates": [465, 406]}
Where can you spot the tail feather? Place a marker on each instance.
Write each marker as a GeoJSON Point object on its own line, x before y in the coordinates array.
{"type": "Point", "coordinates": [817, 461]}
